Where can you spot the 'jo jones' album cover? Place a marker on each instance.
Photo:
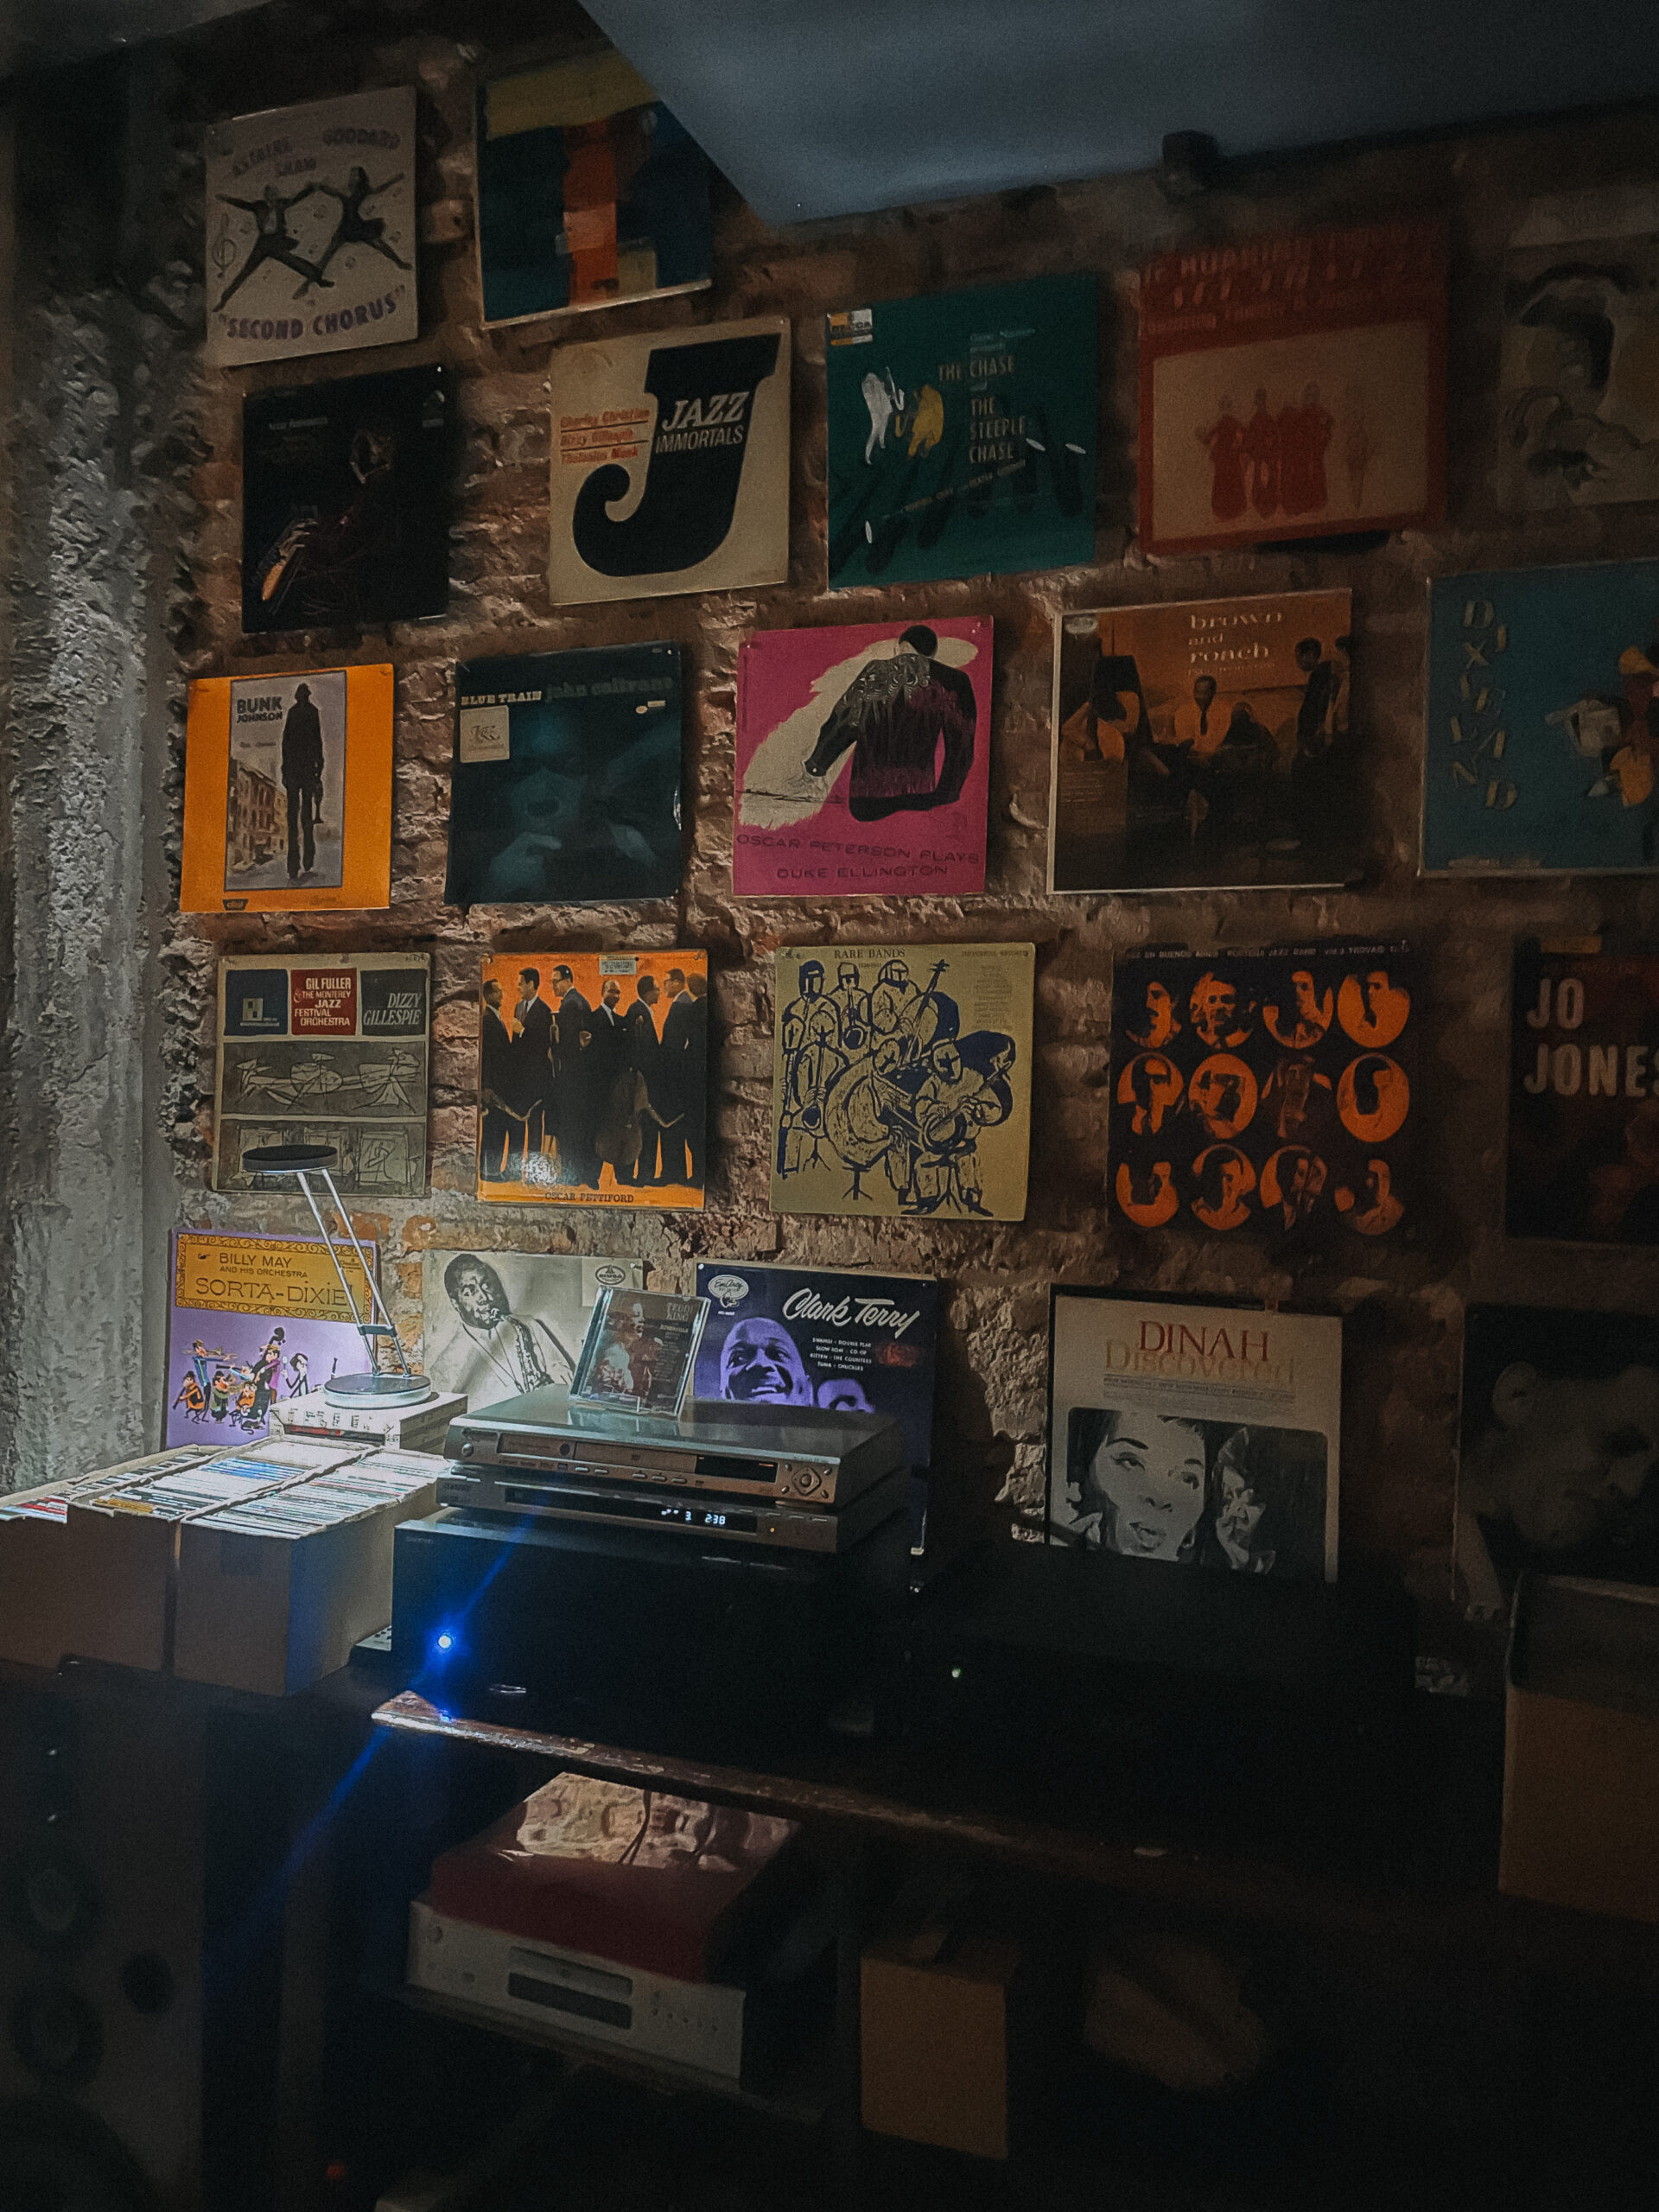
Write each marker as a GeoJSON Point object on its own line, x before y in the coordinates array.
{"type": "Point", "coordinates": [496, 1324]}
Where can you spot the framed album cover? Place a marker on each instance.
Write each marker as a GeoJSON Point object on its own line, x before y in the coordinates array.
{"type": "Point", "coordinates": [640, 1351]}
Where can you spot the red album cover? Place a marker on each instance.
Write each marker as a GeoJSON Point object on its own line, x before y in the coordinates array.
{"type": "Point", "coordinates": [660, 1882]}
{"type": "Point", "coordinates": [1293, 387]}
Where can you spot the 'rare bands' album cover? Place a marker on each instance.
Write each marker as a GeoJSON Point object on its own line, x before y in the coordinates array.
{"type": "Point", "coordinates": [639, 1352]}
{"type": "Point", "coordinates": [496, 1324]}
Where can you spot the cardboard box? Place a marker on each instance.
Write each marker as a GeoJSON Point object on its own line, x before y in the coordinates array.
{"type": "Point", "coordinates": [406, 1428]}
{"type": "Point", "coordinates": [41, 1610]}
{"type": "Point", "coordinates": [1581, 1751]}
{"type": "Point", "coordinates": [938, 1998]}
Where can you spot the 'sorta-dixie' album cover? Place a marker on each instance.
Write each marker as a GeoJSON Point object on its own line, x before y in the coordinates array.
{"type": "Point", "coordinates": [1583, 1162]}
{"type": "Point", "coordinates": [566, 783]}
{"type": "Point", "coordinates": [288, 793]}
{"type": "Point", "coordinates": [863, 760]}
{"type": "Point", "coordinates": [1542, 721]}
{"type": "Point", "coordinates": [1205, 744]}
{"type": "Point", "coordinates": [670, 462]}
{"type": "Point", "coordinates": [901, 1080]}
{"type": "Point", "coordinates": [1293, 387]}
{"type": "Point", "coordinates": [253, 1320]}
{"type": "Point", "coordinates": [324, 1051]}
{"type": "Point", "coordinates": [345, 502]}
{"type": "Point", "coordinates": [311, 229]}
{"type": "Point", "coordinates": [1196, 1435]}
{"type": "Point", "coordinates": [1265, 1092]}
{"type": "Point", "coordinates": [639, 1350]}
{"type": "Point", "coordinates": [496, 1324]}
{"type": "Point", "coordinates": [594, 1078]}
{"type": "Point", "coordinates": [964, 433]}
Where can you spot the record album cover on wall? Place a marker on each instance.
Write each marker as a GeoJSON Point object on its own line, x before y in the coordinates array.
{"type": "Point", "coordinates": [496, 1324]}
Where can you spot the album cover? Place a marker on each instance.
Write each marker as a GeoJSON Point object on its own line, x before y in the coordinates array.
{"type": "Point", "coordinates": [496, 1324]}
{"type": "Point", "coordinates": [1542, 721]}
{"type": "Point", "coordinates": [345, 502]}
{"type": "Point", "coordinates": [964, 433]}
{"type": "Point", "coordinates": [1198, 1435]}
{"type": "Point", "coordinates": [1583, 1161]}
{"type": "Point", "coordinates": [863, 760]}
{"type": "Point", "coordinates": [324, 1051]}
{"type": "Point", "coordinates": [288, 793]}
{"type": "Point", "coordinates": [1293, 387]}
{"type": "Point", "coordinates": [670, 462]}
{"type": "Point", "coordinates": [1268, 1092]}
{"type": "Point", "coordinates": [311, 229]}
{"type": "Point", "coordinates": [639, 1350]}
{"type": "Point", "coordinates": [1204, 744]}
{"type": "Point", "coordinates": [566, 784]}
{"type": "Point", "coordinates": [589, 194]}
{"type": "Point", "coordinates": [594, 1078]}
{"type": "Point", "coordinates": [903, 1087]}
{"type": "Point", "coordinates": [252, 1320]}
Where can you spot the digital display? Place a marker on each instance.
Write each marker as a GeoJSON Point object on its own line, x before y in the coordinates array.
{"type": "Point", "coordinates": [635, 1509]}
{"type": "Point", "coordinates": [736, 1471]}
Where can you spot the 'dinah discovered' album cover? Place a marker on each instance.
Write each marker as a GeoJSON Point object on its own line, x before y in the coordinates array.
{"type": "Point", "coordinates": [1266, 1091]}
{"type": "Point", "coordinates": [1542, 721]}
{"type": "Point", "coordinates": [1205, 1435]}
{"type": "Point", "coordinates": [901, 1080]}
{"type": "Point", "coordinates": [324, 1051]}
{"type": "Point", "coordinates": [592, 1086]}
{"type": "Point", "coordinates": [670, 462]}
{"type": "Point", "coordinates": [288, 793]}
{"type": "Point", "coordinates": [1583, 1161]}
{"type": "Point", "coordinates": [253, 1320]}
{"type": "Point", "coordinates": [496, 1324]}
{"type": "Point", "coordinates": [863, 760]}
{"type": "Point", "coordinates": [1204, 744]}
{"type": "Point", "coordinates": [589, 194]}
{"type": "Point", "coordinates": [566, 783]}
{"type": "Point", "coordinates": [345, 502]}
{"type": "Point", "coordinates": [964, 433]}
{"type": "Point", "coordinates": [1293, 387]}
{"type": "Point", "coordinates": [311, 229]}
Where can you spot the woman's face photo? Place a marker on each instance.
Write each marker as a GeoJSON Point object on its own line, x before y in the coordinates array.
{"type": "Point", "coordinates": [1237, 1517]}
{"type": "Point", "coordinates": [1151, 1474]}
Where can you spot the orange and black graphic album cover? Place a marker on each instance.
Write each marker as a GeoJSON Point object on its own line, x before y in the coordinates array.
{"type": "Point", "coordinates": [1267, 1093]}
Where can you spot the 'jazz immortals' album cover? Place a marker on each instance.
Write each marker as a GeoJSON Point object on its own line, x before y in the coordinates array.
{"type": "Point", "coordinates": [1205, 744]}
{"type": "Point", "coordinates": [639, 1352]}
{"type": "Point", "coordinates": [288, 793]}
{"type": "Point", "coordinates": [1578, 397]}
{"type": "Point", "coordinates": [1558, 1465]}
{"type": "Point", "coordinates": [1542, 721]}
{"type": "Point", "coordinates": [1198, 1435]}
{"type": "Point", "coordinates": [903, 1086]}
{"type": "Point", "coordinates": [311, 229]}
{"type": "Point", "coordinates": [496, 1324]}
{"type": "Point", "coordinates": [670, 462]}
{"type": "Point", "coordinates": [593, 1085]}
{"type": "Point", "coordinates": [324, 1051]}
{"type": "Point", "coordinates": [1583, 1161]}
{"type": "Point", "coordinates": [566, 784]}
{"type": "Point", "coordinates": [589, 194]}
{"type": "Point", "coordinates": [1266, 1091]}
{"type": "Point", "coordinates": [963, 434]}
{"type": "Point", "coordinates": [345, 502]}
{"type": "Point", "coordinates": [863, 760]}
{"type": "Point", "coordinates": [1293, 387]}
{"type": "Point", "coordinates": [253, 1320]}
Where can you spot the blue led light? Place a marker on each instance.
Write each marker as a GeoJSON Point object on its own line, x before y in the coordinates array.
{"type": "Point", "coordinates": [446, 1642]}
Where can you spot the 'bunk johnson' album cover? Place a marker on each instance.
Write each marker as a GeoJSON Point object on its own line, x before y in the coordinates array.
{"type": "Point", "coordinates": [324, 1051]}
{"type": "Point", "coordinates": [964, 433]}
{"type": "Point", "coordinates": [1205, 744]}
{"type": "Point", "coordinates": [670, 462]}
{"type": "Point", "coordinates": [863, 760]}
{"type": "Point", "coordinates": [1293, 387]}
{"type": "Point", "coordinates": [1269, 1092]}
{"type": "Point", "coordinates": [1542, 721]}
{"type": "Point", "coordinates": [345, 502]}
{"type": "Point", "coordinates": [566, 784]}
{"type": "Point", "coordinates": [496, 1324]}
{"type": "Point", "coordinates": [1196, 1435]}
{"type": "Point", "coordinates": [311, 229]}
{"type": "Point", "coordinates": [288, 793]}
{"type": "Point", "coordinates": [901, 1080]}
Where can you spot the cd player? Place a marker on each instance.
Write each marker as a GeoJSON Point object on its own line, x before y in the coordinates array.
{"type": "Point", "coordinates": [745, 1520]}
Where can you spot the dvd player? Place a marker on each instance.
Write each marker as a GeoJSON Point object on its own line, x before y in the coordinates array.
{"type": "Point", "coordinates": [795, 1453]}
{"type": "Point", "coordinates": [754, 1521]}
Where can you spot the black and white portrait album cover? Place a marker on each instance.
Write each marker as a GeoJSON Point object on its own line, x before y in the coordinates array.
{"type": "Point", "coordinates": [496, 1324]}
{"type": "Point", "coordinates": [639, 1352]}
{"type": "Point", "coordinates": [1197, 1435]}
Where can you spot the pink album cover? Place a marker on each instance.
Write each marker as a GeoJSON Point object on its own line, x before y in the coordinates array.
{"type": "Point", "coordinates": [863, 760]}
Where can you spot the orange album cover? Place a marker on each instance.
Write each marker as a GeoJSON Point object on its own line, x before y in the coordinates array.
{"type": "Point", "coordinates": [288, 793]}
